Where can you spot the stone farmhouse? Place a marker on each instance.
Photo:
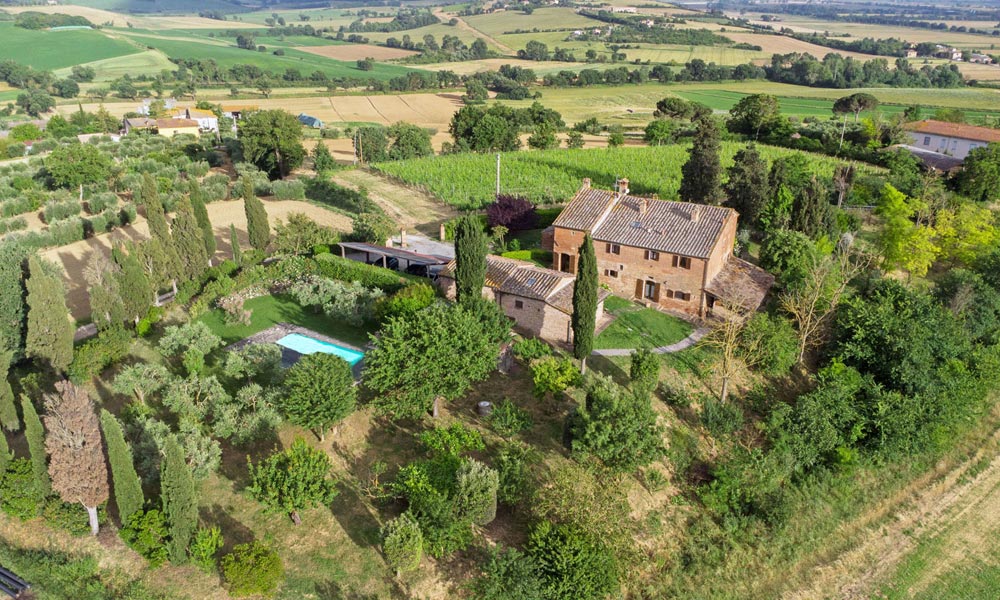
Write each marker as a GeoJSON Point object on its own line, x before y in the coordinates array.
{"type": "Point", "coordinates": [539, 300]}
{"type": "Point", "coordinates": [675, 256]}
{"type": "Point", "coordinates": [952, 139]}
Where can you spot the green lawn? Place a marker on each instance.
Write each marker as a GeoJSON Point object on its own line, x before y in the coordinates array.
{"type": "Point", "coordinates": [637, 327]}
{"type": "Point", "coordinates": [57, 49]}
{"type": "Point", "coordinates": [268, 310]}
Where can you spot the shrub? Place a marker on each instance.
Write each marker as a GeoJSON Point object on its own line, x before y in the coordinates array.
{"type": "Point", "coordinates": [574, 565]}
{"type": "Point", "coordinates": [513, 212]}
{"type": "Point", "coordinates": [68, 516]}
{"type": "Point", "coordinates": [720, 418]}
{"type": "Point", "coordinates": [528, 349]}
{"type": "Point", "coordinates": [405, 302]}
{"type": "Point", "coordinates": [98, 203]}
{"type": "Point", "coordinates": [205, 543]}
{"type": "Point", "coordinates": [335, 267]}
{"type": "Point", "coordinates": [127, 214]}
{"type": "Point", "coordinates": [508, 574]}
{"type": "Point", "coordinates": [97, 354]}
{"type": "Point", "coordinates": [66, 231]}
{"type": "Point", "coordinates": [372, 227]}
{"type": "Point", "coordinates": [18, 494]}
{"type": "Point", "coordinates": [96, 225]}
{"type": "Point", "coordinates": [57, 210]}
{"type": "Point", "coordinates": [508, 419]}
{"type": "Point", "coordinates": [252, 568]}
{"type": "Point", "coordinates": [476, 492]}
{"type": "Point", "coordinates": [553, 374]}
{"type": "Point", "coordinates": [288, 190]}
{"type": "Point", "coordinates": [512, 461]}
{"type": "Point", "coordinates": [146, 533]}
{"type": "Point", "coordinates": [402, 543]}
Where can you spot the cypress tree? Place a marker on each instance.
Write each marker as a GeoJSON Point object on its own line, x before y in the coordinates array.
{"type": "Point", "coordinates": [133, 284]}
{"type": "Point", "coordinates": [322, 159]}
{"type": "Point", "coordinates": [12, 305]}
{"type": "Point", "coordinates": [809, 211]}
{"type": "Point", "coordinates": [50, 331]}
{"type": "Point", "coordinates": [8, 410]}
{"type": "Point", "coordinates": [234, 241]}
{"type": "Point", "coordinates": [127, 485]}
{"type": "Point", "coordinates": [35, 436]}
{"type": "Point", "coordinates": [257, 225]}
{"type": "Point", "coordinates": [189, 241]}
{"type": "Point", "coordinates": [701, 175]}
{"type": "Point", "coordinates": [584, 319]}
{"type": "Point", "coordinates": [747, 188]}
{"type": "Point", "coordinates": [106, 306]}
{"type": "Point", "coordinates": [201, 214]}
{"type": "Point", "coordinates": [180, 502]}
{"type": "Point", "coordinates": [470, 259]}
{"type": "Point", "coordinates": [168, 262]}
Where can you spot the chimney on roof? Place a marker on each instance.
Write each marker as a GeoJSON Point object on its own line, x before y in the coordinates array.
{"type": "Point", "coordinates": [586, 183]}
{"type": "Point", "coordinates": [402, 238]}
{"type": "Point", "coordinates": [621, 186]}
{"type": "Point", "coordinates": [643, 206]}
{"type": "Point", "coordinates": [694, 213]}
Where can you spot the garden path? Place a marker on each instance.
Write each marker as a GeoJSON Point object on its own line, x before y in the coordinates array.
{"type": "Point", "coordinates": [684, 344]}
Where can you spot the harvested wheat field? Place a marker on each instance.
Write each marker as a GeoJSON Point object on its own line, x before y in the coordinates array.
{"type": "Point", "coordinates": [357, 52]}
{"type": "Point", "coordinates": [74, 257]}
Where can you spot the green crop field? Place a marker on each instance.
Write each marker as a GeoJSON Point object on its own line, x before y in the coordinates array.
{"type": "Point", "coordinates": [467, 181]}
{"type": "Point", "coordinates": [173, 7]}
{"type": "Point", "coordinates": [323, 17]}
{"type": "Point", "coordinates": [228, 55]}
{"type": "Point", "coordinates": [438, 31]}
{"type": "Point", "coordinates": [58, 49]}
{"type": "Point", "coordinates": [542, 18]}
{"type": "Point", "coordinates": [108, 69]}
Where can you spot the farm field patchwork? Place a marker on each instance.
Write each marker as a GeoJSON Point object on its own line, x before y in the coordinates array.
{"type": "Point", "coordinates": [150, 61]}
{"type": "Point", "coordinates": [59, 49]}
{"type": "Point", "coordinates": [350, 52]}
{"type": "Point", "coordinates": [466, 181]}
{"type": "Point", "coordinates": [541, 19]}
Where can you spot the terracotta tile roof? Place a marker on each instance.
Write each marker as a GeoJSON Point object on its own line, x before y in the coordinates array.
{"type": "Point", "coordinates": [742, 283]}
{"type": "Point", "coordinates": [674, 227]}
{"type": "Point", "coordinates": [955, 130]}
{"type": "Point", "coordinates": [931, 159]}
{"type": "Point", "coordinates": [521, 278]}
{"type": "Point", "coordinates": [141, 122]}
{"type": "Point", "coordinates": [176, 123]}
{"type": "Point", "coordinates": [197, 112]}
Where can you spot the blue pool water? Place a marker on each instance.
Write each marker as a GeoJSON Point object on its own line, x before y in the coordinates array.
{"type": "Point", "coordinates": [304, 344]}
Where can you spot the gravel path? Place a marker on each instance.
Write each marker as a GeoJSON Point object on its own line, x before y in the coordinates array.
{"type": "Point", "coordinates": [684, 344]}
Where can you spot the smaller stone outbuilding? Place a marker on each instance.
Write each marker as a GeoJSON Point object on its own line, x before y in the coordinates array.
{"type": "Point", "coordinates": [539, 300]}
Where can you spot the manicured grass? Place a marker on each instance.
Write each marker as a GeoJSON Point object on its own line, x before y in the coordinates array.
{"type": "Point", "coordinates": [542, 258]}
{"type": "Point", "coordinates": [57, 49]}
{"type": "Point", "coordinates": [269, 310]}
{"type": "Point", "coordinates": [637, 327]}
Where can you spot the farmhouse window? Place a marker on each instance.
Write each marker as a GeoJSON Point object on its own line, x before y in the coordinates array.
{"type": "Point", "coordinates": [614, 249]}
{"type": "Point", "coordinates": [652, 255]}
{"type": "Point", "coordinates": [611, 273]}
{"type": "Point", "coordinates": [682, 261]}
{"type": "Point", "coordinates": [927, 140]}
{"type": "Point", "coordinates": [651, 291]}
{"type": "Point", "coordinates": [518, 304]}
{"type": "Point", "coordinates": [669, 293]}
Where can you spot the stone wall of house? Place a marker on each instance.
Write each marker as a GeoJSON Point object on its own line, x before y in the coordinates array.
{"type": "Point", "coordinates": [723, 250]}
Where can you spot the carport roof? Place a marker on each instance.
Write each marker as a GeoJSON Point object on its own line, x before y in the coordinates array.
{"type": "Point", "coordinates": [399, 253]}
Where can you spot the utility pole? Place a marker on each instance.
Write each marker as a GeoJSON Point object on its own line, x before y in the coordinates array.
{"type": "Point", "coordinates": [498, 174]}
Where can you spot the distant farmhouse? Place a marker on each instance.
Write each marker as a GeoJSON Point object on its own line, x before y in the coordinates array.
{"type": "Point", "coordinates": [942, 145]}
{"type": "Point", "coordinates": [672, 255]}
{"type": "Point", "coordinates": [164, 127]}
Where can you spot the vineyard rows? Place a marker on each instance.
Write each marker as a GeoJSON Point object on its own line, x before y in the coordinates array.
{"type": "Point", "coordinates": [468, 181]}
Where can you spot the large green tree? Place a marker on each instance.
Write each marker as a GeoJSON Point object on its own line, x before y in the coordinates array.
{"type": "Point", "coordinates": [50, 330]}
{"type": "Point", "coordinates": [437, 352]}
{"type": "Point", "coordinates": [162, 251]}
{"type": "Point", "coordinates": [409, 141]}
{"type": "Point", "coordinates": [106, 304]}
{"type": "Point", "coordinates": [258, 227]}
{"type": "Point", "coordinates": [197, 197]}
{"type": "Point", "coordinates": [189, 241]}
{"type": "Point", "coordinates": [471, 246]}
{"type": "Point", "coordinates": [319, 391]}
{"type": "Point", "coordinates": [127, 485]}
{"type": "Point", "coordinates": [35, 436]}
{"type": "Point", "coordinates": [747, 189]}
{"type": "Point", "coordinates": [293, 480]}
{"type": "Point", "coordinates": [980, 174]}
{"type": "Point", "coordinates": [74, 165]}
{"type": "Point", "coordinates": [811, 210]}
{"type": "Point", "coordinates": [701, 175]}
{"type": "Point", "coordinates": [617, 427]}
{"type": "Point", "coordinates": [133, 285]}
{"type": "Point", "coordinates": [584, 318]}
{"type": "Point", "coordinates": [322, 159]}
{"type": "Point", "coordinates": [234, 242]}
{"type": "Point", "coordinates": [180, 499]}
{"type": "Point", "coordinates": [272, 140]}
{"type": "Point", "coordinates": [755, 114]}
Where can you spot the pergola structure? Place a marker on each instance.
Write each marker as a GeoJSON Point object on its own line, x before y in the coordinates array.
{"type": "Point", "coordinates": [385, 253]}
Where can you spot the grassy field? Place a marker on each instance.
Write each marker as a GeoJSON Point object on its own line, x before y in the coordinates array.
{"type": "Point", "coordinates": [438, 31]}
{"type": "Point", "coordinates": [227, 55]}
{"type": "Point", "coordinates": [543, 18]}
{"type": "Point", "coordinates": [637, 327]}
{"type": "Point", "coordinates": [270, 310]}
{"type": "Point", "coordinates": [553, 176]}
{"type": "Point", "coordinates": [58, 49]}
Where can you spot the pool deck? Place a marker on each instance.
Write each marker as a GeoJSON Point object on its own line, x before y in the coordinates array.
{"type": "Point", "coordinates": [288, 356]}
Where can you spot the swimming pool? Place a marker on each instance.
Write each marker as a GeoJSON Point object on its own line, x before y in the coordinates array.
{"type": "Point", "coordinates": [304, 344]}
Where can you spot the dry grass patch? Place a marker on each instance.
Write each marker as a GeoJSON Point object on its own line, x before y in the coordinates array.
{"type": "Point", "coordinates": [357, 51]}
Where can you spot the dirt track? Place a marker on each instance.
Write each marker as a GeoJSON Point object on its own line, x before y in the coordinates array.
{"type": "Point", "coordinates": [949, 503]}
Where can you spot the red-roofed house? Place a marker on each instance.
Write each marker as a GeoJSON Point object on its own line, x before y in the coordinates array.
{"type": "Point", "coordinates": [673, 255]}
{"type": "Point", "coordinates": [953, 139]}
